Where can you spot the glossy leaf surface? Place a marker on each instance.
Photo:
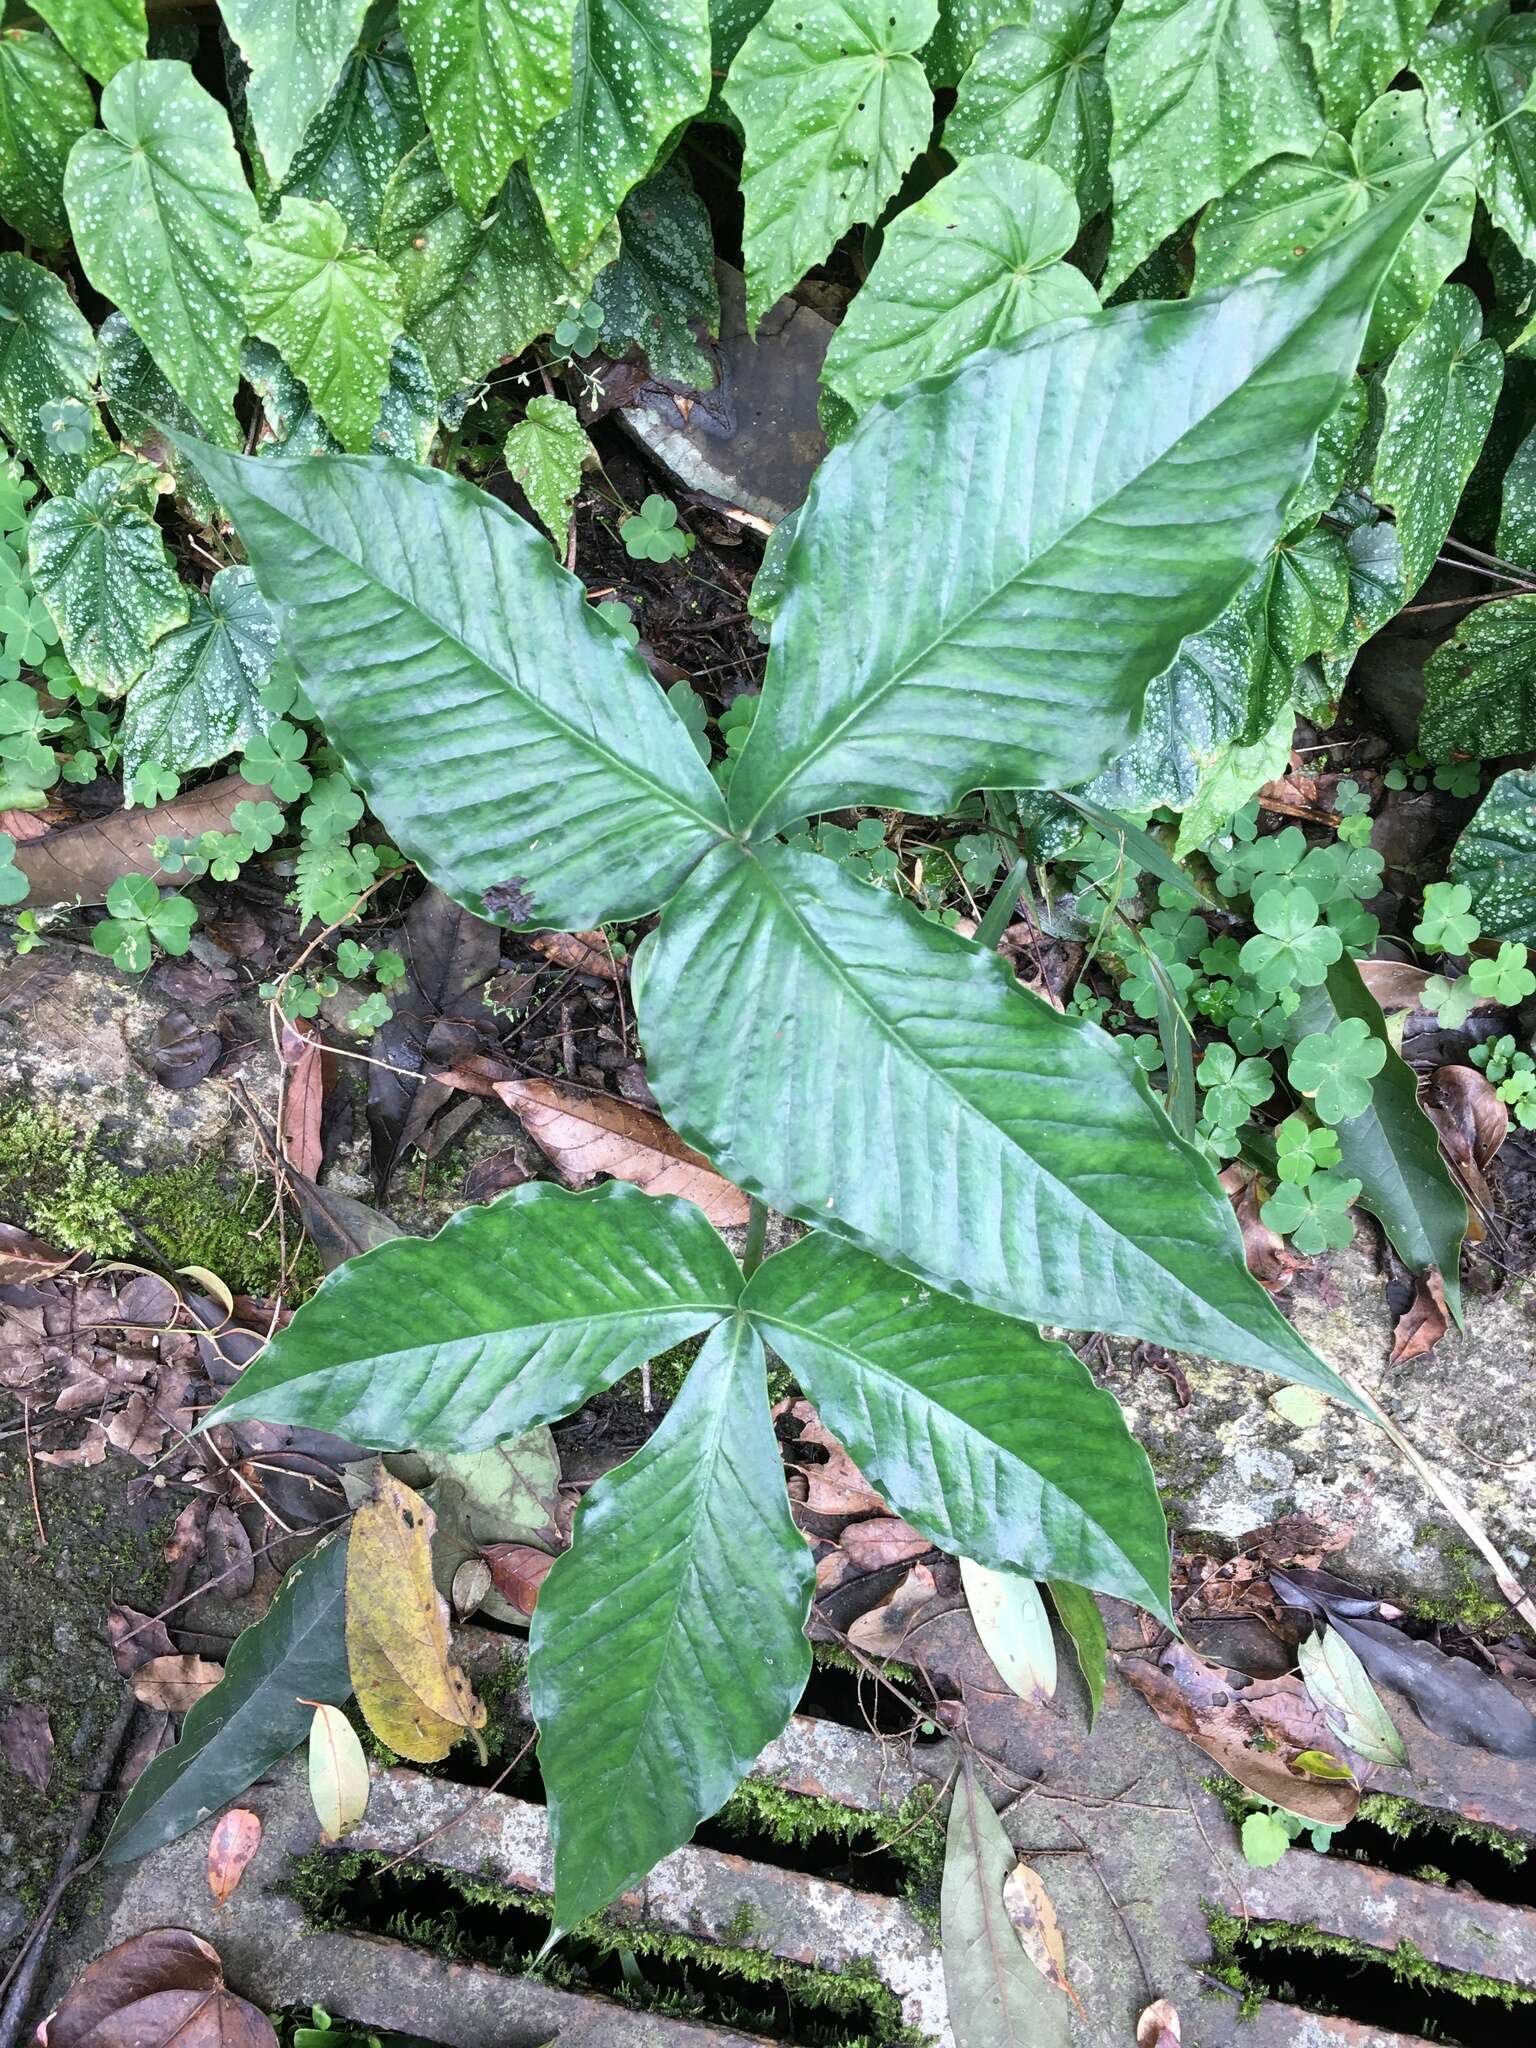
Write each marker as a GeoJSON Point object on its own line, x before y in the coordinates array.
{"type": "Point", "coordinates": [660, 292]}
{"type": "Point", "coordinates": [512, 1315]}
{"type": "Point", "coordinates": [1107, 486]}
{"type": "Point", "coordinates": [45, 104]}
{"type": "Point", "coordinates": [990, 1440]}
{"type": "Point", "coordinates": [159, 209]}
{"type": "Point", "coordinates": [199, 698]}
{"type": "Point", "coordinates": [357, 141]}
{"type": "Point", "coordinates": [1496, 858]}
{"type": "Point", "coordinates": [492, 72]}
{"type": "Point", "coordinates": [1202, 90]}
{"type": "Point", "coordinates": [1358, 47]}
{"type": "Point", "coordinates": [879, 1076]}
{"type": "Point", "coordinates": [668, 1643]}
{"type": "Point", "coordinates": [640, 69]}
{"type": "Point", "coordinates": [332, 311]}
{"type": "Point", "coordinates": [974, 263]}
{"type": "Point", "coordinates": [1392, 1149]}
{"type": "Point", "coordinates": [834, 106]}
{"type": "Point", "coordinates": [295, 51]}
{"type": "Point", "coordinates": [1480, 685]}
{"type": "Point", "coordinates": [101, 35]}
{"type": "Point", "coordinates": [508, 741]}
{"type": "Point", "coordinates": [101, 568]}
{"type": "Point", "coordinates": [1477, 64]}
{"type": "Point", "coordinates": [1039, 92]}
{"type": "Point", "coordinates": [545, 452]}
{"type": "Point", "coordinates": [47, 351]}
{"type": "Point", "coordinates": [255, 1715]}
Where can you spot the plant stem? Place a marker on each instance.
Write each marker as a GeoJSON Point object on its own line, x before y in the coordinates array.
{"type": "Point", "coordinates": [999, 912]}
{"type": "Point", "coordinates": [757, 1232]}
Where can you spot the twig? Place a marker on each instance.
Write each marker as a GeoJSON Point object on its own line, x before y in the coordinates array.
{"type": "Point", "coordinates": [37, 1512]}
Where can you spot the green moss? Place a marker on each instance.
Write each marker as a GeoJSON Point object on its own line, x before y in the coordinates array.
{"type": "Point", "coordinates": [1233, 1938]}
{"type": "Point", "coordinates": [1403, 1818]}
{"type": "Point", "coordinates": [55, 1183]}
{"type": "Point", "coordinates": [189, 1218]}
{"type": "Point", "coordinates": [322, 1881]}
{"type": "Point", "coordinates": [912, 1833]}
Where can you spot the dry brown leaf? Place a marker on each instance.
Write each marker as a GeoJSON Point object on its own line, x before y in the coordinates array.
{"type": "Point", "coordinates": [24, 1258]}
{"type": "Point", "coordinates": [1035, 1923]}
{"type": "Point", "coordinates": [1394, 984]}
{"type": "Point", "coordinates": [412, 1693]}
{"type": "Point", "coordinates": [836, 1486]}
{"type": "Point", "coordinates": [303, 1095]}
{"type": "Point", "coordinates": [26, 1743]}
{"type": "Point", "coordinates": [1270, 1259]}
{"type": "Point", "coordinates": [81, 862]}
{"type": "Point", "coordinates": [1472, 1124]}
{"type": "Point", "coordinates": [136, 1638]}
{"type": "Point", "coordinates": [884, 1541]}
{"type": "Point", "coordinates": [1424, 1322]}
{"type": "Point", "coordinates": [175, 1683]}
{"type": "Point", "coordinates": [882, 1631]}
{"type": "Point", "coordinates": [517, 1571]}
{"type": "Point", "coordinates": [587, 1134]}
{"type": "Point", "coordinates": [586, 952]}
{"type": "Point", "coordinates": [164, 1959]}
{"type": "Point", "coordinates": [1158, 2026]}
{"type": "Point", "coordinates": [235, 1839]}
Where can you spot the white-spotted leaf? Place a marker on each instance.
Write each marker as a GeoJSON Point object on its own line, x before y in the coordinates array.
{"type": "Point", "coordinates": [199, 699]}
{"type": "Point", "coordinates": [101, 568]}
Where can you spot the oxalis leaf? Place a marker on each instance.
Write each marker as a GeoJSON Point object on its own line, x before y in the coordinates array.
{"type": "Point", "coordinates": [834, 106]}
{"type": "Point", "coordinates": [258, 1711]}
{"type": "Point", "coordinates": [511, 1316]}
{"type": "Point", "coordinates": [160, 210]}
{"type": "Point", "coordinates": [331, 311]}
{"type": "Point", "coordinates": [991, 1441]}
{"type": "Point", "coordinates": [668, 1643]}
{"type": "Point", "coordinates": [884, 1078]}
{"type": "Point", "coordinates": [514, 747]}
{"type": "Point", "coordinates": [492, 72]}
{"type": "Point", "coordinates": [972, 264]}
{"type": "Point", "coordinates": [296, 50]}
{"type": "Point", "coordinates": [101, 568]}
{"type": "Point", "coordinates": [1392, 1148]}
{"type": "Point", "coordinates": [47, 351]}
{"type": "Point", "coordinates": [200, 697]}
{"type": "Point", "coordinates": [45, 104]}
{"type": "Point", "coordinates": [1039, 91]}
{"type": "Point", "coordinates": [1026, 664]}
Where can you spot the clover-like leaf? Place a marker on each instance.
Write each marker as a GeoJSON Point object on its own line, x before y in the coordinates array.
{"type": "Point", "coordinates": [275, 759]}
{"type": "Point", "coordinates": [652, 534]}
{"type": "Point", "coordinates": [1335, 1068]}
{"type": "Point", "coordinates": [1506, 977]}
{"type": "Point", "coordinates": [1290, 946]}
{"type": "Point", "coordinates": [1447, 924]}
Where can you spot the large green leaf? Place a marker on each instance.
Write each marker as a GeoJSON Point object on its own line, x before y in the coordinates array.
{"type": "Point", "coordinates": [1496, 858]}
{"type": "Point", "coordinates": [47, 352]}
{"type": "Point", "coordinates": [45, 104]}
{"type": "Point", "coordinates": [295, 51]}
{"type": "Point", "coordinates": [143, 406]}
{"type": "Point", "coordinates": [640, 70]}
{"type": "Point", "coordinates": [660, 292]}
{"type": "Point", "coordinates": [1202, 90]}
{"type": "Point", "coordinates": [962, 30]}
{"type": "Point", "coordinates": [1480, 685]}
{"type": "Point", "coordinates": [1440, 390]}
{"type": "Point", "coordinates": [408, 416]}
{"type": "Point", "coordinates": [974, 263]}
{"type": "Point", "coordinates": [993, 1442]}
{"type": "Point", "coordinates": [668, 1645]}
{"type": "Point", "coordinates": [492, 72]}
{"type": "Point", "coordinates": [1392, 1149]}
{"type": "Point", "coordinates": [1358, 47]}
{"type": "Point", "coordinates": [101, 35]}
{"type": "Point", "coordinates": [261, 1708]}
{"type": "Point", "coordinates": [331, 311]}
{"type": "Point", "coordinates": [878, 1075]}
{"type": "Point", "coordinates": [834, 106]}
{"type": "Point", "coordinates": [1517, 506]}
{"type": "Point", "coordinates": [1105, 487]}
{"type": "Point", "coordinates": [1477, 65]}
{"type": "Point", "coordinates": [359, 137]}
{"type": "Point", "coordinates": [1039, 92]}
{"type": "Point", "coordinates": [508, 740]}
{"type": "Point", "coordinates": [160, 210]}
{"type": "Point", "coordinates": [476, 293]}
{"type": "Point", "coordinates": [1286, 207]}
{"type": "Point", "coordinates": [101, 568]}
{"type": "Point", "coordinates": [199, 700]}
{"type": "Point", "coordinates": [511, 1316]}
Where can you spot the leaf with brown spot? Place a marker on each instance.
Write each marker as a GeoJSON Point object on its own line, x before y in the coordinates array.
{"type": "Point", "coordinates": [882, 1631]}
{"type": "Point", "coordinates": [586, 1134]}
{"type": "Point", "coordinates": [412, 1693]}
{"type": "Point", "coordinates": [175, 1683]}
{"type": "Point", "coordinates": [1034, 1920]}
{"type": "Point", "coordinates": [235, 1839]}
{"type": "Point", "coordinates": [81, 862]}
{"type": "Point", "coordinates": [583, 952]}
{"type": "Point", "coordinates": [1423, 1323]}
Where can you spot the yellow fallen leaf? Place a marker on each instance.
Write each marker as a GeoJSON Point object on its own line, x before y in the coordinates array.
{"type": "Point", "coordinates": [413, 1696]}
{"type": "Point", "coordinates": [1035, 1923]}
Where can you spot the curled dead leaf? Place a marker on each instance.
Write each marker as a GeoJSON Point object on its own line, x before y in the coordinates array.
{"type": "Point", "coordinates": [882, 1630]}
{"type": "Point", "coordinates": [235, 1839]}
{"type": "Point", "coordinates": [1034, 1922]}
{"type": "Point", "coordinates": [882, 1541]}
{"type": "Point", "coordinates": [303, 1095]}
{"type": "Point", "coordinates": [175, 1683]}
{"type": "Point", "coordinates": [583, 952]}
{"type": "Point", "coordinates": [517, 1571]}
{"type": "Point", "coordinates": [1270, 1259]}
{"type": "Point", "coordinates": [1158, 2026]}
{"type": "Point", "coordinates": [1424, 1322]}
{"type": "Point", "coordinates": [1472, 1124]}
{"type": "Point", "coordinates": [834, 1485]}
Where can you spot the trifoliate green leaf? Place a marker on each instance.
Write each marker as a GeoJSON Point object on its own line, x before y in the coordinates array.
{"type": "Point", "coordinates": [1290, 946]}
{"type": "Point", "coordinates": [45, 104]}
{"type": "Point", "coordinates": [274, 760]}
{"type": "Point", "coordinates": [1480, 685]}
{"type": "Point", "coordinates": [545, 452]}
{"type": "Point", "coordinates": [660, 293]}
{"type": "Point", "coordinates": [1358, 47]}
{"type": "Point", "coordinates": [1336, 1069]}
{"type": "Point", "coordinates": [652, 534]}
{"type": "Point", "coordinates": [101, 568]}
{"type": "Point", "coordinates": [1202, 91]}
{"type": "Point", "coordinates": [160, 211]}
{"type": "Point", "coordinates": [295, 51]}
{"type": "Point", "coordinates": [972, 264]}
{"type": "Point", "coordinates": [834, 106]}
{"type": "Point", "coordinates": [331, 311]}
{"type": "Point", "coordinates": [1038, 92]}
{"type": "Point", "coordinates": [640, 70]}
{"type": "Point", "coordinates": [1287, 206]}
{"type": "Point", "coordinates": [1448, 924]}
{"type": "Point", "coordinates": [198, 699]}
{"type": "Point", "coordinates": [1476, 63]}
{"type": "Point", "coordinates": [492, 73]}
{"type": "Point", "coordinates": [1439, 393]}
{"type": "Point", "coordinates": [1496, 858]}
{"type": "Point", "coordinates": [1506, 977]}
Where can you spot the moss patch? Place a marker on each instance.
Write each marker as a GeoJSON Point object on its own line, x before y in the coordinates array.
{"type": "Point", "coordinates": [1235, 1939]}
{"type": "Point", "coordinates": [912, 1833]}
